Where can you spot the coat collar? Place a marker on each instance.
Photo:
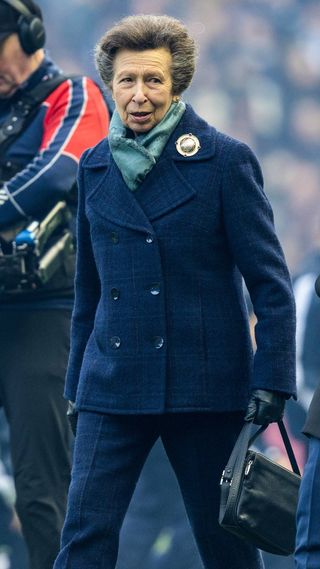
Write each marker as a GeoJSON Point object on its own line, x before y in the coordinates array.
{"type": "Point", "coordinates": [100, 156]}
{"type": "Point", "coordinates": [192, 123]}
{"type": "Point", "coordinates": [164, 188]}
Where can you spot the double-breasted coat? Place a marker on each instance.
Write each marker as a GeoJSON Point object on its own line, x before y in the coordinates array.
{"type": "Point", "coordinates": [160, 323]}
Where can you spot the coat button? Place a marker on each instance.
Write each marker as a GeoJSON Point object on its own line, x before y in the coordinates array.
{"type": "Point", "coordinates": [115, 342]}
{"type": "Point", "coordinates": [155, 289]}
{"type": "Point", "coordinates": [158, 342]}
{"type": "Point", "coordinates": [114, 237]}
{"type": "Point", "coordinates": [149, 238]}
{"type": "Point", "coordinates": [115, 294]}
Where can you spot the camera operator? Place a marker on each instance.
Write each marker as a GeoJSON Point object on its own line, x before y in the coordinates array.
{"type": "Point", "coordinates": [46, 121]}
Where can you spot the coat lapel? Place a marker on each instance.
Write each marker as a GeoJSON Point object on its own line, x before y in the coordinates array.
{"type": "Point", "coordinates": [110, 197]}
{"type": "Point", "coordinates": [163, 189]}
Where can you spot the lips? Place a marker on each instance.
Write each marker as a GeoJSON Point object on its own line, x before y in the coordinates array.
{"type": "Point", "coordinates": [140, 114]}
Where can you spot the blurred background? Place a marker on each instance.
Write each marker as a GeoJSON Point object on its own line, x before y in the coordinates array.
{"type": "Point", "coordinates": [258, 79]}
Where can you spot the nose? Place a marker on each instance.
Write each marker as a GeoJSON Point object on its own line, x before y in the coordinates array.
{"type": "Point", "coordinates": [139, 95]}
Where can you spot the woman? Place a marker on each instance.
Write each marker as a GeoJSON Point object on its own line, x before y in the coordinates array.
{"type": "Point", "coordinates": [170, 212]}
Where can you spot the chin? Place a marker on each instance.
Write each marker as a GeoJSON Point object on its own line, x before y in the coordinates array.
{"type": "Point", "coordinates": [143, 127]}
{"type": "Point", "coordinates": [142, 130]}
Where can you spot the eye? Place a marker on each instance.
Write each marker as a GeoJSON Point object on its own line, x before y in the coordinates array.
{"type": "Point", "coordinates": [126, 80]}
{"type": "Point", "coordinates": [154, 80]}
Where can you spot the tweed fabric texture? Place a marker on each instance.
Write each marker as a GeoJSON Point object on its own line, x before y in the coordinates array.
{"type": "Point", "coordinates": [193, 229]}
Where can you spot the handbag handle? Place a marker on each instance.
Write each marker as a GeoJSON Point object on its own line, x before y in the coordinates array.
{"type": "Point", "coordinates": [287, 444]}
{"type": "Point", "coordinates": [233, 470]}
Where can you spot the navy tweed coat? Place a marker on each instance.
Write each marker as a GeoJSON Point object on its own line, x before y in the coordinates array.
{"type": "Point", "coordinates": [160, 323]}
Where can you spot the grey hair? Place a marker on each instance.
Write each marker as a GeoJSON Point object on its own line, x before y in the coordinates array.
{"type": "Point", "coordinates": [141, 32]}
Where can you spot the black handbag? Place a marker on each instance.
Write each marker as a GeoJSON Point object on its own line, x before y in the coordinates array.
{"type": "Point", "coordinates": [258, 496]}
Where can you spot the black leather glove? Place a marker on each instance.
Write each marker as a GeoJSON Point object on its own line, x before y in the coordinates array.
{"type": "Point", "coordinates": [72, 415]}
{"type": "Point", "coordinates": [265, 406]}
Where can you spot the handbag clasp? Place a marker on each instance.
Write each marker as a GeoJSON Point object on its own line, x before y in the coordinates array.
{"type": "Point", "coordinates": [248, 467]}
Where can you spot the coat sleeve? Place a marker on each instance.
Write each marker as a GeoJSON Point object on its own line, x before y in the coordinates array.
{"type": "Point", "coordinates": [87, 294]}
{"type": "Point", "coordinates": [257, 253]}
{"type": "Point", "coordinates": [76, 118]}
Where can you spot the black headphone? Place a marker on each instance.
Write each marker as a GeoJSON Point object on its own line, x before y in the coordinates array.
{"type": "Point", "coordinates": [31, 30]}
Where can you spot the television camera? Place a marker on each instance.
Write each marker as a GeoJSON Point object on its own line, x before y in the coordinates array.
{"type": "Point", "coordinates": [30, 259]}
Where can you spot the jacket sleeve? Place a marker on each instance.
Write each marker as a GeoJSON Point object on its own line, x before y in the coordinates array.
{"type": "Point", "coordinates": [76, 118]}
{"type": "Point", "coordinates": [257, 253]}
{"type": "Point", "coordinates": [87, 294]}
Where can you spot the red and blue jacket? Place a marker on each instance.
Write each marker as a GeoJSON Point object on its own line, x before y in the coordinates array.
{"type": "Point", "coordinates": [71, 119]}
{"type": "Point", "coordinates": [46, 154]}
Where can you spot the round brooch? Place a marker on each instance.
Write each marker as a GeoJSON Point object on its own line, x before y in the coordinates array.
{"type": "Point", "coordinates": [188, 144]}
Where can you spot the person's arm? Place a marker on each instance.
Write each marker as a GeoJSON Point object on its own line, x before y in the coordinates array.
{"type": "Point", "coordinates": [76, 118]}
{"type": "Point", "coordinates": [259, 257]}
{"type": "Point", "coordinates": [87, 294]}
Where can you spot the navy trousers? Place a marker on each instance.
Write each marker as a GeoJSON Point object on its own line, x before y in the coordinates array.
{"type": "Point", "coordinates": [109, 453]}
{"type": "Point", "coordinates": [307, 554]}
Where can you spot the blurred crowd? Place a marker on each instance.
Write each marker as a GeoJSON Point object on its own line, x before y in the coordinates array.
{"type": "Point", "coordinates": [257, 79]}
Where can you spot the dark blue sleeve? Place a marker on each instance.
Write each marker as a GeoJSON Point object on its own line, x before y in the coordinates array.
{"type": "Point", "coordinates": [257, 253]}
{"type": "Point", "coordinates": [87, 294]}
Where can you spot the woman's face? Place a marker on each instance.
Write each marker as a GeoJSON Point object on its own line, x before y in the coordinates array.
{"type": "Point", "coordinates": [142, 87]}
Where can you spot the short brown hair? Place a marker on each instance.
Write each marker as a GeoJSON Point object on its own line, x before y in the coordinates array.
{"type": "Point", "coordinates": [141, 32]}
